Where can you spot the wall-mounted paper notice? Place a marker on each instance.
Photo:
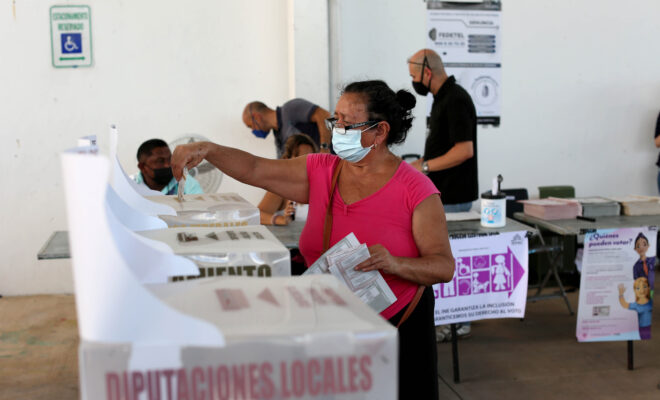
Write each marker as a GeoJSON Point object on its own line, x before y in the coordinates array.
{"type": "Point", "coordinates": [127, 189]}
{"type": "Point", "coordinates": [112, 305]}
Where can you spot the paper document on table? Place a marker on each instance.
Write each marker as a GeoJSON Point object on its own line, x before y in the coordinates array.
{"type": "Point", "coordinates": [463, 216]}
{"type": "Point", "coordinates": [321, 265]}
{"type": "Point", "coordinates": [369, 286]}
{"type": "Point", "coordinates": [182, 185]}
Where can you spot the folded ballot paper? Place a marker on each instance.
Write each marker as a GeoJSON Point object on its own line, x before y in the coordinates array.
{"type": "Point", "coordinates": [551, 208]}
{"type": "Point", "coordinates": [210, 210]}
{"type": "Point", "coordinates": [239, 251]}
{"type": "Point", "coordinates": [638, 205]}
{"type": "Point", "coordinates": [340, 260]}
{"type": "Point", "coordinates": [215, 338]}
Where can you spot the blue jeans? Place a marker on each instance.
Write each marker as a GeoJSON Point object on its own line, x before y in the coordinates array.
{"type": "Point", "coordinates": [463, 207]}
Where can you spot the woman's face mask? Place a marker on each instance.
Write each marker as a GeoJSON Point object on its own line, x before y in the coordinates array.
{"type": "Point", "coordinates": [347, 143]}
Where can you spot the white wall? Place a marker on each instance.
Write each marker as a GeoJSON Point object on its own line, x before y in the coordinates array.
{"type": "Point", "coordinates": [581, 87]}
{"type": "Point", "coordinates": [161, 69]}
{"type": "Point", "coordinates": [581, 91]}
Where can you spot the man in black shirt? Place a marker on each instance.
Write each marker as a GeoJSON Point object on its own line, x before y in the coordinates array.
{"type": "Point", "coordinates": [450, 152]}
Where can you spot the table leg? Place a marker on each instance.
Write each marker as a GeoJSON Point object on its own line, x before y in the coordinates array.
{"type": "Point", "coordinates": [553, 271]}
{"type": "Point", "coordinates": [454, 353]}
{"type": "Point", "coordinates": [630, 355]}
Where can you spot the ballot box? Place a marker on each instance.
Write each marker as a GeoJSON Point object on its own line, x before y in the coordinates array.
{"type": "Point", "coordinates": [298, 337]}
{"type": "Point", "coordinates": [209, 210]}
{"type": "Point", "coordinates": [250, 250]}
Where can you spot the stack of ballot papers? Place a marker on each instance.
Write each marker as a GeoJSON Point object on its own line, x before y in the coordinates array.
{"type": "Point", "coordinates": [210, 210]}
{"type": "Point", "coordinates": [238, 251]}
{"type": "Point", "coordinates": [551, 208]}
{"type": "Point", "coordinates": [340, 260]}
{"type": "Point", "coordinates": [638, 205]}
{"type": "Point", "coordinates": [598, 207]}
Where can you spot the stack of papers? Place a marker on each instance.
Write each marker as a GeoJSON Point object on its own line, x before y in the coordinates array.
{"type": "Point", "coordinates": [210, 210]}
{"type": "Point", "coordinates": [340, 260]}
{"type": "Point", "coordinates": [638, 205]}
{"type": "Point", "coordinates": [238, 251]}
{"type": "Point", "coordinates": [598, 207]}
{"type": "Point", "coordinates": [551, 208]}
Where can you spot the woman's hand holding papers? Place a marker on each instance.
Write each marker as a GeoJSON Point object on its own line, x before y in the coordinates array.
{"type": "Point", "coordinates": [380, 259]}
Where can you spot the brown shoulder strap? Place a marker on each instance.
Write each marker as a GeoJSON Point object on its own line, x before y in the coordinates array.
{"type": "Point", "coordinates": [412, 305]}
{"type": "Point", "coordinates": [327, 226]}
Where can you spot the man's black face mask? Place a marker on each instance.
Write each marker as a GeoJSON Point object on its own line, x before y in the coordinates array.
{"type": "Point", "coordinates": [420, 87]}
{"type": "Point", "coordinates": [163, 176]}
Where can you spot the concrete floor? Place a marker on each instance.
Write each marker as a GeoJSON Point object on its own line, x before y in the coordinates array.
{"type": "Point", "coordinates": [538, 358]}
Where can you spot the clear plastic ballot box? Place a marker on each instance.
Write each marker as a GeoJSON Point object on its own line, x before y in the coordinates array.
{"type": "Point", "coordinates": [238, 251]}
{"type": "Point", "coordinates": [209, 210]}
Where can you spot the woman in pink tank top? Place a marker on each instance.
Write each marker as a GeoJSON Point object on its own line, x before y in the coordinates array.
{"type": "Point", "coordinates": [386, 203]}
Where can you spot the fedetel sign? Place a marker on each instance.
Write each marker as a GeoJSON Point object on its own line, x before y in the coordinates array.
{"type": "Point", "coordinates": [71, 36]}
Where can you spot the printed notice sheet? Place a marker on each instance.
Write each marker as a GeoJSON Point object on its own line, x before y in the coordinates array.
{"type": "Point", "coordinates": [616, 286]}
{"type": "Point", "coordinates": [490, 280]}
{"type": "Point", "coordinates": [468, 39]}
{"type": "Point", "coordinates": [341, 259]}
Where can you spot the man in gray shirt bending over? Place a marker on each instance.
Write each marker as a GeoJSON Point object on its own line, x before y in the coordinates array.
{"type": "Point", "coordinates": [294, 116]}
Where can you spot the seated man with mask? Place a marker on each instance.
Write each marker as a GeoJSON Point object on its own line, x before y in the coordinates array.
{"type": "Point", "coordinates": [154, 157]}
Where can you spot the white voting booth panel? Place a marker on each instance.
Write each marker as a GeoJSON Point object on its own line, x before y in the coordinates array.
{"type": "Point", "coordinates": [129, 191]}
{"type": "Point", "coordinates": [209, 210]}
{"type": "Point", "coordinates": [237, 251]}
{"type": "Point", "coordinates": [238, 337]}
{"type": "Point", "coordinates": [305, 337]}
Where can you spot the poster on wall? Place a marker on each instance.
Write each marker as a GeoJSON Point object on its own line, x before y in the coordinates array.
{"type": "Point", "coordinates": [467, 36]}
{"type": "Point", "coordinates": [490, 279]}
{"type": "Point", "coordinates": [616, 286]}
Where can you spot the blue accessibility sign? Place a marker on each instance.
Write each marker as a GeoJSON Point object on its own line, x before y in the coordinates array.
{"type": "Point", "coordinates": [71, 43]}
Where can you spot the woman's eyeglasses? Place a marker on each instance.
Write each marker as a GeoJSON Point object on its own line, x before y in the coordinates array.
{"type": "Point", "coordinates": [333, 126]}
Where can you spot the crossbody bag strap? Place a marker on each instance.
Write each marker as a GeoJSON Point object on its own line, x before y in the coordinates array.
{"type": "Point", "coordinates": [412, 305]}
{"type": "Point", "coordinates": [327, 225]}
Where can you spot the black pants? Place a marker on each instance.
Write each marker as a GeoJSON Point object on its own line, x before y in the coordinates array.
{"type": "Point", "coordinates": [418, 354]}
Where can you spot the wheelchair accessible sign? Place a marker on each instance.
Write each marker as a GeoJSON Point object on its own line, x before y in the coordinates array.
{"type": "Point", "coordinates": [71, 36]}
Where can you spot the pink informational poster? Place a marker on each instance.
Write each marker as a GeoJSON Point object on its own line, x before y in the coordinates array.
{"type": "Point", "coordinates": [616, 287]}
{"type": "Point", "coordinates": [490, 279]}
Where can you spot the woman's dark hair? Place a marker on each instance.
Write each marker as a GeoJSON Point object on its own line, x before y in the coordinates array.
{"type": "Point", "coordinates": [641, 236]}
{"type": "Point", "coordinates": [385, 105]}
{"type": "Point", "coordinates": [295, 141]}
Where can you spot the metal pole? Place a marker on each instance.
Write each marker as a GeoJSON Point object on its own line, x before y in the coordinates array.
{"type": "Point", "coordinates": [454, 353]}
{"type": "Point", "coordinates": [630, 355]}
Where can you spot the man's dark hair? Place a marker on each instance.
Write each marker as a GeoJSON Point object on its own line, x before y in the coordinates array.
{"type": "Point", "coordinates": [383, 104]}
{"type": "Point", "coordinates": [146, 147]}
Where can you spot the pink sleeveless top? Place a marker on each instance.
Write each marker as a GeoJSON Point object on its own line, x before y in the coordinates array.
{"type": "Point", "coordinates": [384, 217]}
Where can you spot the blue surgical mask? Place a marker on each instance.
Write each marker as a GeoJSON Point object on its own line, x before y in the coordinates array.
{"type": "Point", "coordinates": [259, 133]}
{"type": "Point", "coordinates": [348, 145]}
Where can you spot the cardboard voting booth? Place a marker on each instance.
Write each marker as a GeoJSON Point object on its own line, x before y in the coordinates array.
{"type": "Point", "coordinates": [209, 210]}
{"type": "Point", "coordinates": [237, 251]}
{"type": "Point", "coordinates": [214, 338]}
{"type": "Point", "coordinates": [305, 337]}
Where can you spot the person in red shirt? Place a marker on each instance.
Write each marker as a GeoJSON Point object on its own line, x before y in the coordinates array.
{"type": "Point", "coordinates": [390, 206]}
